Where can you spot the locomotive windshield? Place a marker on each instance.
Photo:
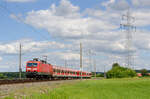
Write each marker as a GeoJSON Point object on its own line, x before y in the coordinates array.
{"type": "Point", "coordinates": [32, 64]}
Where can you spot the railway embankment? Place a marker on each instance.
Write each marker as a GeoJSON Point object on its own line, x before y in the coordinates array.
{"type": "Point", "coordinates": [28, 89]}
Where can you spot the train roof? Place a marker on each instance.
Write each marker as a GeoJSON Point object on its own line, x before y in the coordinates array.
{"type": "Point", "coordinates": [68, 69]}
{"type": "Point", "coordinates": [36, 60]}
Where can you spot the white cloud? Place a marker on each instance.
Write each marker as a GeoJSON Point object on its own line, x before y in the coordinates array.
{"type": "Point", "coordinates": [71, 23]}
{"type": "Point", "coordinates": [142, 41]}
{"type": "Point", "coordinates": [29, 46]}
{"type": "Point", "coordinates": [65, 55]}
{"type": "Point", "coordinates": [141, 17]}
{"type": "Point", "coordinates": [138, 10]}
{"type": "Point", "coordinates": [1, 58]}
{"type": "Point", "coordinates": [106, 3]}
{"type": "Point", "coordinates": [65, 9]}
{"type": "Point", "coordinates": [116, 5]}
{"type": "Point", "coordinates": [141, 3]}
{"type": "Point", "coordinates": [96, 29]}
{"type": "Point", "coordinates": [21, 1]}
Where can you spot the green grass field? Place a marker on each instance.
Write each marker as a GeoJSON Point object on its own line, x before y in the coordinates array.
{"type": "Point", "coordinates": [137, 88]}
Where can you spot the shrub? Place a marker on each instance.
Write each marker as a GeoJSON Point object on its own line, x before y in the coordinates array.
{"type": "Point", "coordinates": [2, 76]}
{"type": "Point", "coordinates": [120, 72]}
{"type": "Point", "coordinates": [100, 75]}
{"type": "Point", "coordinates": [144, 72]}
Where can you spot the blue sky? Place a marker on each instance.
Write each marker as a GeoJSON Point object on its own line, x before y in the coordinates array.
{"type": "Point", "coordinates": [12, 27]}
{"type": "Point", "coordinates": [56, 27]}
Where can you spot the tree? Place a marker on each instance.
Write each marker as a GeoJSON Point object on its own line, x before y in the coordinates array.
{"type": "Point", "coordinates": [144, 72]}
{"type": "Point", "coordinates": [120, 72]}
{"type": "Point", "coordinates": [115, 65]}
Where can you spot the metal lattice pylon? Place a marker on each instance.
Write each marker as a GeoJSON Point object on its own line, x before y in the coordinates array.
{"type": "Point", "coordinates": [129, 27]}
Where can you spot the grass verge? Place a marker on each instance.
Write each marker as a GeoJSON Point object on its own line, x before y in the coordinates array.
{"type": "Point", "coordinates": [136, 88]}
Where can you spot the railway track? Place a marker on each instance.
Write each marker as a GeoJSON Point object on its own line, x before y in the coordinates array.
{"type": "Point", "coordinates": [17, 81]}
{"type": "Point", "coordinates": [20, 81]}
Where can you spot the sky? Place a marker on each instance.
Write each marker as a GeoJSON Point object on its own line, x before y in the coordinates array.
{"type": "Point", "coordinates": [56, 28]}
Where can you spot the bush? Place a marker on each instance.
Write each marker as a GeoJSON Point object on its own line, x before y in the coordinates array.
{"type": "Point", "coordinates": [100, 75]}
{"type": "Point", "coordinates": [144, 72]}
{"type": "Point", "coordinates": [2, 76]}
{"type": "Point", "coordinates": [120, 72]}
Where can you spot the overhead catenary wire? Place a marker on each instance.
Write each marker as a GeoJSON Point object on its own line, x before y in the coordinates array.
{"type": "Point", "coordinates": [20, 19]}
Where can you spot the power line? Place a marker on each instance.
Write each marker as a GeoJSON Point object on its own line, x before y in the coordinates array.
{"type": "Point", "coordinates": [21, 20]}
{"type": "Point", "coordinates": [91, 53]}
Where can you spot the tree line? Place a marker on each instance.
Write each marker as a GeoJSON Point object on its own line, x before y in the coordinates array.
{"type": "Point", "coordinates": [11, 75]}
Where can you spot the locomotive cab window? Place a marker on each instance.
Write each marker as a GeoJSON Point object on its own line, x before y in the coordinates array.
{"type": "Point", "coordinates": [29, 64]}
{"type": "Point", "coordinates": [32, 64]}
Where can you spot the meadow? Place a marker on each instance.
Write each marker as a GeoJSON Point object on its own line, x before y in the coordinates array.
{"type": "Point", "coordinates": [127, 88]}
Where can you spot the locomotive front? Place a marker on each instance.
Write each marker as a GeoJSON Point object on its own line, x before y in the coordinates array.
{"type": "Point", "coordinates": [32, 68]}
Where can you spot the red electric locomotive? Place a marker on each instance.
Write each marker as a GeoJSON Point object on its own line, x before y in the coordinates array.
{"type": "Point", "coordinates": [41, 69]}
{"type": "Point", "coordinates": [38, 69]}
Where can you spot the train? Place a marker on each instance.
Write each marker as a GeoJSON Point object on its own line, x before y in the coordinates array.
{"type": "Point", "coordinates": [40, 69]}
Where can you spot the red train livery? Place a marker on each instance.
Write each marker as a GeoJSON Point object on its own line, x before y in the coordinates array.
{"type": "Point", "coordinates": [41, 69]}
